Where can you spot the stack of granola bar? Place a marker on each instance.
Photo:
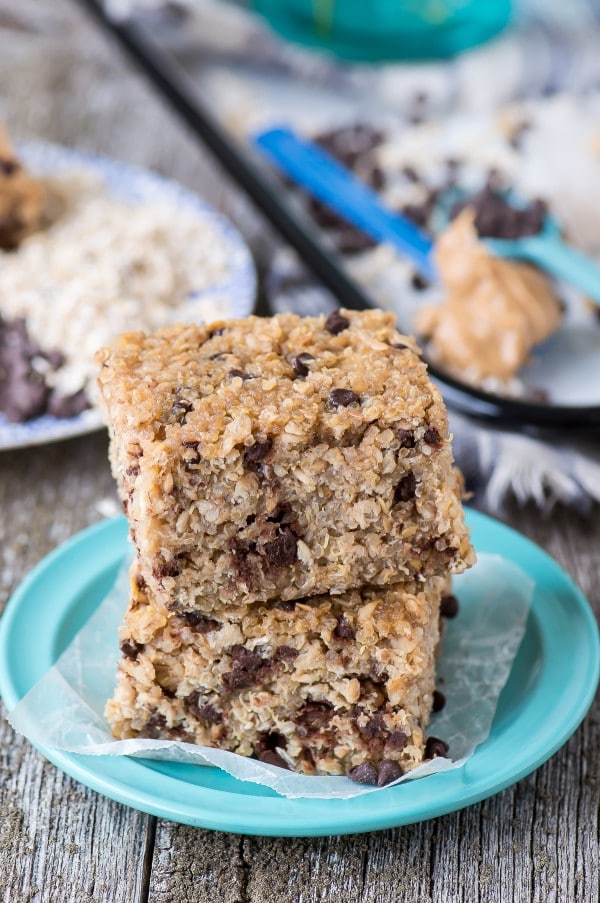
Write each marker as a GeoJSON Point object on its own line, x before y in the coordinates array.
{"type": "Point", "coordinates": [296, 515]}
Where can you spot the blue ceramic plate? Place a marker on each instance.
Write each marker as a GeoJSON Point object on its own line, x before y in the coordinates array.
{"type": "Point", "coordinates": [136, 186]}
{"type": "Point", "coordinates": [550, 689]}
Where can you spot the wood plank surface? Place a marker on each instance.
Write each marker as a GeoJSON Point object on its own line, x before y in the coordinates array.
{"type": "Point", "coordinates": [60, 842]}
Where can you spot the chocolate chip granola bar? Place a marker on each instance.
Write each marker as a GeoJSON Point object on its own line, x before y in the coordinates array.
{"type": "Point", "coordinates": [280, 458]}
{"type": "Point", "coordinates": [322, 685]}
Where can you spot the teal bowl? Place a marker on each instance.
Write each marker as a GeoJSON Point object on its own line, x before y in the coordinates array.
{"type": "Point", "coordinates": [387, 29]}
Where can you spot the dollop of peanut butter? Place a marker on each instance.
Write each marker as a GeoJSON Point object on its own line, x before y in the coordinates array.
{"type": "Point", "coordinates": [494, 312]}
{"type": "Point", "coordinates": [22, 198]}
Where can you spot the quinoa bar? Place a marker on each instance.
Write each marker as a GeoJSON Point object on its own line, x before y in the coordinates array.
{"type": "Point", "coordinates": [322, 685]}
{"type": "Point", "coordinates": [283, 457]}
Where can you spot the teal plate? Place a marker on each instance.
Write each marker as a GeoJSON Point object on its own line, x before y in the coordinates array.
{"type": "Point", "coordinates": [550, 689]}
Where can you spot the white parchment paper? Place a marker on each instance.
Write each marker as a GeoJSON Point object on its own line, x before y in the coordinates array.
{"type": "Point", "coordinates": [65, 708]}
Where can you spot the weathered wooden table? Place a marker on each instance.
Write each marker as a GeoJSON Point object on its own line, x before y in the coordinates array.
{"type": "Point", "coordinates": [60, 842]}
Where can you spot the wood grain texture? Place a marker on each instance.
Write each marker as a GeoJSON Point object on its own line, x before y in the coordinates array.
{"type": "Point", "coordinates": [60, 842]}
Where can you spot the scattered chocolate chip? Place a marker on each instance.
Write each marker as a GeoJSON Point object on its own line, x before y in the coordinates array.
{"type": "Point", "coordinates": [410, 173]}
{"type": "Point", "coordinates": [257, 452]}
{"type": "Point", "coordinates": [406, 489]}
{"type": "Point", "coordinates": [191, 444]}
{"type": "Point", "coordinates": [439, 701]}
{"type": "Point", "coordinates": [216, 332]}
{"type": "Point", "coordinates": [270, 757]}
{"type": "Point", "coordinates": [436, 747]}
{"type": "Point", "coordinates": [352, 241]}
{"type": "Point", "coordinates": [344, 631]}
{"type": "Point", "coordinates": [342, 398]}
{"type": "Point", "coordinates": [496, 217]}
{"type": "Point", "coordinates": [419, 283]}
{"type": "Point", "coordinates": [131, 650]}
{"type": "Point", "coordinates": [388, 771]}
{"type": "Point", "coordinates": [133, 471]}
{"type": "Point", "coordinates": [283, 550]}
{"type": "Point", "coordinates": [398, 739]}
{"type": "Point", "coordinates": [314, 715]}
{"type": "Point", "coordinates": [198, 622]}
{"type": "Point", "coordinates": [140, 582]}
{"type": "Point", "coordinates": [299, 363]}
{"type": "Point", "coordinates": [400, 346]}
{"type": "Point", "coordinates": [364, 773]}
{"type": "Point", "coordinates": [285, 654]}
{"type": "Point", "coordinates": [375, 177]}
{"type": "Point", "coordinates": [68, 405]}
{"type": "Point", "coordinates": [449, 606]}
{"type": "Point", "coordinates": [336, 322]}
{"type": "Point", "coordinates": [232, 374]}
{"type": "Point", "coordinates": [406, 438]}
{"type": "Point", "coordinates": [431, 436]}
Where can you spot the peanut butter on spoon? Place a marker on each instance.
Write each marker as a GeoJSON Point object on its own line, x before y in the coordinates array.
{"type": "Point", "coordinates": [21, 198]}
{"type": "Point", "coordinates": [495, 310]}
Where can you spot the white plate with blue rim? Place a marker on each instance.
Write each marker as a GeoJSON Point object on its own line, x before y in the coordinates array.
{"type": "Point", "coordinates": [236, 289]}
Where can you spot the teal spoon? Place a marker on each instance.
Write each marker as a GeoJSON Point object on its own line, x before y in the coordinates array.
{"type": "Point", "coordinates": [331, 183]}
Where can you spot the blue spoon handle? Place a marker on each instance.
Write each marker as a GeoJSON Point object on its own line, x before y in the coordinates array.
{"type": "Point", "coordinates": [332, 184]}
{"type": "Point", "coordinates": [551, 254]}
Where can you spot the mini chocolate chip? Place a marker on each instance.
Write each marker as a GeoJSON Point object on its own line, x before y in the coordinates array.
{"type": "Point", "coordinates": [400, 346]}
{"type": "Point", "coordinates": [248, 668]}
{"type": "Point", "coordinates": [140, 582]}
{"type": "Point", "coordinates": [436, 747]}
{"type": "Point", "coordinates": [283, 550]}
{"type": "Point", "coordinates": [344, 631]}
{"type": "Point", "coordinates": [9, 167]}
{"type": "Point", "coordinates": [191, 444]}
{"type": "Point", "coordinates": [299, 363]}
{"type": "Point", "coordinates": [165, 569]}
{"type": "Point", "coordinates": [431, 436]}
{"type": "Point", "coordinates": [353, 241]}
{"type": "Point", "coordinates": [449, 606]}
{"type": "Point", "coordinates": [286, 604]}
{"type": "Point", "coordinates": [342, 398]}
{"type": "Point", "coordinates": [406, 489]}
{"type": "Point", "coordinates": [398, 739]}
{"type": "Point", "coordinates": [411, 174]}
{"type": "Point", "coordinates": [133, 471]}
{"type": "Point", "coordinates": [406, 438]}
{"type": "Point", "coordinates": [258, 451]}
{"type": "Point", "coordinates": [199, 623]}
{"type": "Point", "coordinates": [154, 726]}
{"type": "Point", "coordinates": [388, 771]}
{"type": "Point", "coordinates": [285, 654]}
{"type": "Point", "coordinates": [439, 701]}
{"type": "Point", "coordinates": [363, 774]}
{"type": "Point", "coordinates": [245, 658]}
{"type": "Point", "coordinates": [419, 283]}
{"type": "Point", "coordinates": [131, 650]}
{"type": "Point", "coordinates": [270, 757]}
{"type": "Point", "coordinates": [314, 715]}
{"type": "Point", "coordinates": [207, 714]}
{"type": "Point", "coordinates": [336, 322]}
{"type": "Point", "coordinates": [375, 727]}
{"type": "Point", "coordinates": [235, 372]}
{"type": "Point", "coordinates": [216, 332]}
